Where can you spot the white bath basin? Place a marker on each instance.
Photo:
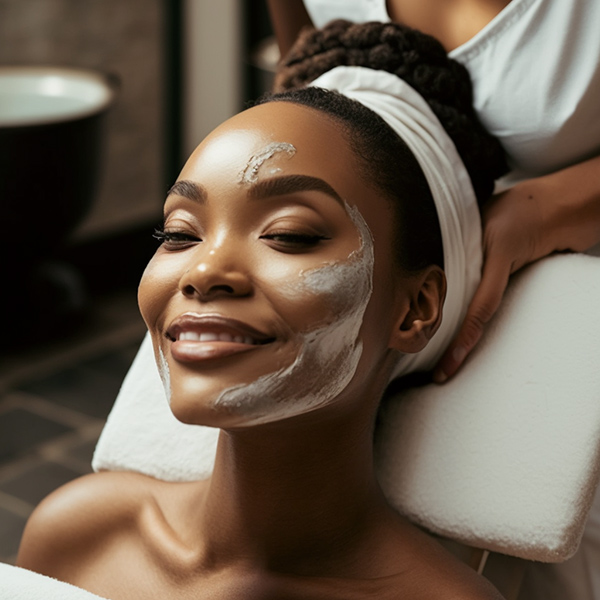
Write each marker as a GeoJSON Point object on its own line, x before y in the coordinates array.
{"type": "Point", "coordinates": [40, 95]}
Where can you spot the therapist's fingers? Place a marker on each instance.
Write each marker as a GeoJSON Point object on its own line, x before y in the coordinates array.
{"type": "Point", "coordinates": [485, 303]}
{"type": "Point", "coordinates": [513, 230]}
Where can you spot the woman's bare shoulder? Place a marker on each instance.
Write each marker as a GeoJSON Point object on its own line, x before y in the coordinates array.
{"type": "Point", "coordinates": [429, 570]}
{"type": "Point", "coordinates": [72, 522]}
{"type": "Point", "coordinates": [465, 586]}
{"type": "Point", "coordinates": [444, 576]}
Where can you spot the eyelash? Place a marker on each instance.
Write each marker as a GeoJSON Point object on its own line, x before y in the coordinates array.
{"type": "Point", "coordinates": [174, 239]}
{"type": "Point", "coordinates": [295, 240]}
{"type": "Point", "coordinates": [286, 239]}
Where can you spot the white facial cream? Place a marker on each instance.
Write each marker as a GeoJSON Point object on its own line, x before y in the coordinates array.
{"type": "Point", "coordinates": [329, 355]}
{"type": "Point", "coordinates": [250, 172]}
{"type": "Point", "coordinates": [165, 375]}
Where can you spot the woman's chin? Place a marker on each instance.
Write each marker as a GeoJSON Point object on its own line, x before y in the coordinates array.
{"type": "Point", "coordinates": [210, 413]}
{"type": "Point", "coordinates": [205, 398]}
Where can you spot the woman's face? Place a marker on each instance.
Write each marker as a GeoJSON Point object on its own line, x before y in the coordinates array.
{"type": "Point", "coordinates": [273, 292]}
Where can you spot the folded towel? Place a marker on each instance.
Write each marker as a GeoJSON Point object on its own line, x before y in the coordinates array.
{"type": "Point", "coordinates": [21, 584]}
{"type": "Point", "coordinates": [505, 456]}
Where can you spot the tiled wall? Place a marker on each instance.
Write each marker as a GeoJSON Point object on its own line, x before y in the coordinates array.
{"type": "Point", "coordinates": [124, 37]}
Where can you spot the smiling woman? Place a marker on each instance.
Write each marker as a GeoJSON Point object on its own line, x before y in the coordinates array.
{"type": "Point", "coordinates": [300, 270]}
{"type": "Point", "coordinates": [281, 263]}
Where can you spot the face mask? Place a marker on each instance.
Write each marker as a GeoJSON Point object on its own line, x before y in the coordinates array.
{"type": "Point", "coordinates": [329, 355]}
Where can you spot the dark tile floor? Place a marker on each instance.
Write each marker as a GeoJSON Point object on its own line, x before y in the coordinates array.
{"type": "Point", "coordinates": [54, 400]}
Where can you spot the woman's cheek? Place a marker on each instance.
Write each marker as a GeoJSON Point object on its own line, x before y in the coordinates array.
{"type": "Point", "coordinates": [158, 284]}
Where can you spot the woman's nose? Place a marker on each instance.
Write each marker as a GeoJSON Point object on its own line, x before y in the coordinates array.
{"type": "Point", "coordinates": [214, 273]}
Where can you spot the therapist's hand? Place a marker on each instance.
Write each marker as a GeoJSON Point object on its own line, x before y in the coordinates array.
{"type": "Point", "coordinates": [556, 212]}
{"type": "Point", "coordinates": [513, 236]}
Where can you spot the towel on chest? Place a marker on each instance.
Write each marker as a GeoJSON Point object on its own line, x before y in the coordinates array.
{"type": "Point", "coordinates": [21, 584]}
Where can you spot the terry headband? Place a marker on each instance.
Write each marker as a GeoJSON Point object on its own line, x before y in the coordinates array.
{"type": "Point", "coordinates": [407, 113]}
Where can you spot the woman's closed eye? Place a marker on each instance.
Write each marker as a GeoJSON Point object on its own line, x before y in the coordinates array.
{"type": "Point", "coordinates": [293, 240]}
{"type": "Point", "coordinates": [284, 241]}
{"type": "Point", "coordinates": [175, 240]}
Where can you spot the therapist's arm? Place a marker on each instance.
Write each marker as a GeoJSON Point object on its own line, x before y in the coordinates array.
{"type": "Point", "coordinates": [288, 17]}
{"type": "Point", "coordinates": [553, 213]}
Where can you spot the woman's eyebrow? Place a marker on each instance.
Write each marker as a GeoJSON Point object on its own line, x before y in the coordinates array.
{"type": "Point", "coordinates": [288, 184]}
{"type": "Point", "coordinates": [190, 190]}
{"type": "Point", "coordinates": [275, 186]}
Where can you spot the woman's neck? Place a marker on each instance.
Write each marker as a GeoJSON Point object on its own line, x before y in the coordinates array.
{"type": "Point", "coordinates": [293, 496]}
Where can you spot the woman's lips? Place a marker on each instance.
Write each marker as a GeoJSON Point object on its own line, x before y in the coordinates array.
{"type": "Point", "coordinates": [197, 337]}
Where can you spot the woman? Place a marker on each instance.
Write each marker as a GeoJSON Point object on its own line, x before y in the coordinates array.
{"type": "Point", "coordinates": [301, 268]}
{"type": "Point", "coordinates": [534, 66]}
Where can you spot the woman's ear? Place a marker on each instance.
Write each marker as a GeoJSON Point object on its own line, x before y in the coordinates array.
{"type": "Point", "coordinates": [420, 310]}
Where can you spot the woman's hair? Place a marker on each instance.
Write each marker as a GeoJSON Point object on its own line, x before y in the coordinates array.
{"type": "Point", "coordinates": [384, 159]}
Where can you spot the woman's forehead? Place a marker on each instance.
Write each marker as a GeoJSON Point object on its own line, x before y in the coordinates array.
{"type": "Point", "coordinates": [307, 128]}
{"type": "Point", "coordinates": [273, 138]}
{"type": "Point", "coordinates": [283, 138]}
{"type": "Point", "coordinates": [291, 116]}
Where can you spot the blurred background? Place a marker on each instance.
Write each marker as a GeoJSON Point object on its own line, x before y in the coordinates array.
{"type": "Point", "coordinates": [179, 68]}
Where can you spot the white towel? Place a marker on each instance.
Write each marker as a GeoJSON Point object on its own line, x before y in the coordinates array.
{"type": "Point", "coordinates": [504, 456]}
{"type": "Point", "coordinates": [21, 584]}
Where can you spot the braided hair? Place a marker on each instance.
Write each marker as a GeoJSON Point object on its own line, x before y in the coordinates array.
{"type": "Point", "coordinates": [384, 160]}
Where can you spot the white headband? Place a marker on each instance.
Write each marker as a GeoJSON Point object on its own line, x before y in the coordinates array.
{"type": "Point", "coordinates": [407, 113]}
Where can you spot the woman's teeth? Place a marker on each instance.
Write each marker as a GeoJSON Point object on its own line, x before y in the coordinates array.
{"type": "Point", "coordinates": [214, 337]}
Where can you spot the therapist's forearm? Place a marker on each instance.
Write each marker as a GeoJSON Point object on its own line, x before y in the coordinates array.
{"type": "Point", "coordinates": [287, 17]}
{"type": "Point", "coordinates": [571, 199]}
